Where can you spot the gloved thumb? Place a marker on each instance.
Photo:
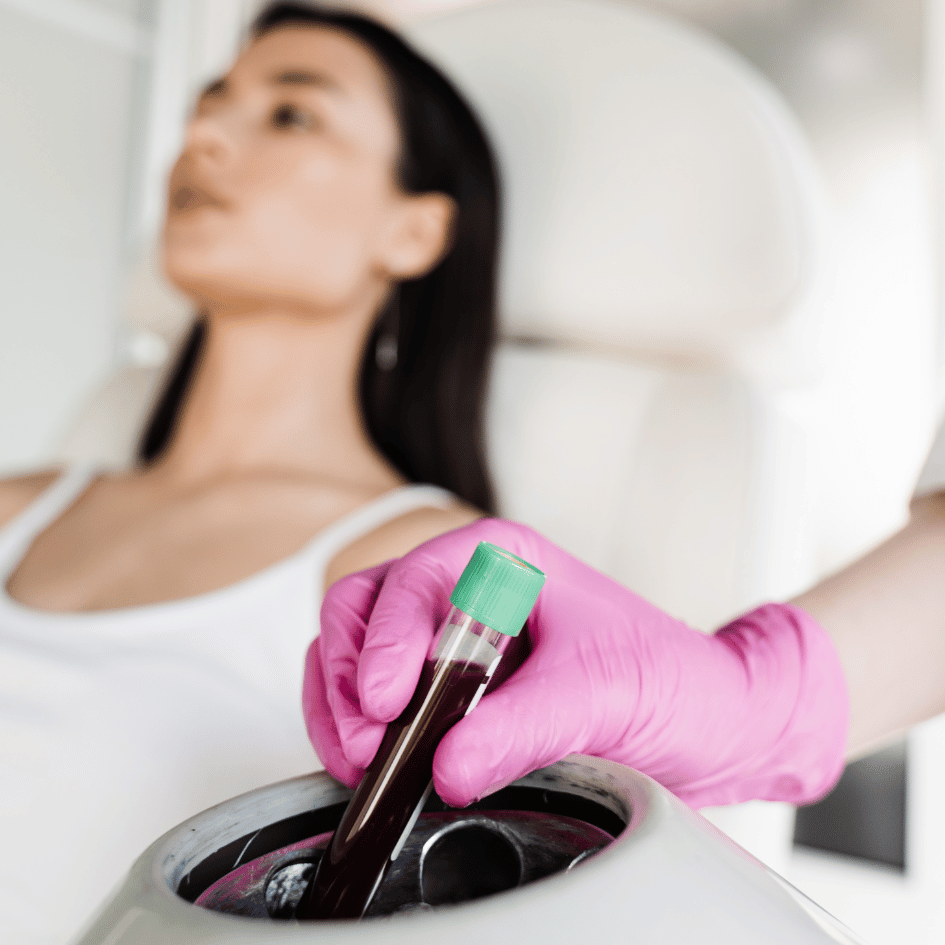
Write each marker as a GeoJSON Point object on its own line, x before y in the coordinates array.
{"type": "Point", "coordinates": [513, 731]}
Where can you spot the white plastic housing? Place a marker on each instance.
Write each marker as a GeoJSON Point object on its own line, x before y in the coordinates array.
{"type": "Point", "coordinates": [670, 877]}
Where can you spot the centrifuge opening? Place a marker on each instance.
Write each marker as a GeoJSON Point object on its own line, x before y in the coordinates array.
{"type": "Point", "coordinates": [513, 837]}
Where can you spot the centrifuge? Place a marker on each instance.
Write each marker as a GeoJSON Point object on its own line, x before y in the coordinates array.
{"type": "Point", "coordinates": [585, 850]}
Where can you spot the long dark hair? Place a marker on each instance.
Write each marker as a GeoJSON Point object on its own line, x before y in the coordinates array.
{"type": "Point", "coordinates": [424, 413]}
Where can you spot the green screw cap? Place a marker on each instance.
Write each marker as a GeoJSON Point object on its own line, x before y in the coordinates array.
{"type": "Point", "coordinates": [498, 589]}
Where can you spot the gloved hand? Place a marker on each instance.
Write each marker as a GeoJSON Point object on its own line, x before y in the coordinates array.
{"type": "Point", "coordinates": [756, 710]}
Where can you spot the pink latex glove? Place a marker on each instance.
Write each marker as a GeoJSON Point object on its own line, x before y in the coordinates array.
{"type": "Point", "coordinates": [756, 710]}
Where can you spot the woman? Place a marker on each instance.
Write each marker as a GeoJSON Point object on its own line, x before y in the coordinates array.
{"type": "Point", "coordinates": [333, 215]}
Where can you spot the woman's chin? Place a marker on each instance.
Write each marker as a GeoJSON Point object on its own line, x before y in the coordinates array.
{"type": "Point", "coordinates": [222, 287]}
{"type": "Point", "coordinates": [221, 299]}
{"type": "Point", "coordinates": [201, 280]}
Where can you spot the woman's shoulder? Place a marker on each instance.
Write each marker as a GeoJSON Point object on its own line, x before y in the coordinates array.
{"type": "Point", "coordinates": [18, 492]}
{"type": "Point", "coordinates": [398, 536]}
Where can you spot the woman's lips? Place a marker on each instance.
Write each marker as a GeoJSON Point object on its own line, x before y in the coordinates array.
{"type": "Point", "coordinates": [190, 198]}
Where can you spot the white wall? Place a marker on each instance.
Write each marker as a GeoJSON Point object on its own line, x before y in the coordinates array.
{"type": "Point", "coordinates": [855, 74]}
{"type": "Point", "coordinates": [69, 71]}
{"type": "Point", "coordinates": [94, 95]}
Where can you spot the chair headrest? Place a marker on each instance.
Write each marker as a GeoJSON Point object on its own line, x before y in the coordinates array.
{"type": "Point", "coordinates": [659, 195]}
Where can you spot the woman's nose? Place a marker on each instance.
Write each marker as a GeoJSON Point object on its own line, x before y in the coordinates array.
{"type": "Point", "coordinates": [212, 135]}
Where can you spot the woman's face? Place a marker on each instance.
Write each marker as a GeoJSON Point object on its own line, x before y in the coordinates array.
{"type": "Point", "coordinates": [285, 192]}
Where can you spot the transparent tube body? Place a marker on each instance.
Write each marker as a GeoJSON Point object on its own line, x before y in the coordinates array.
{"type": "Point", "coordinates": [461, 659]}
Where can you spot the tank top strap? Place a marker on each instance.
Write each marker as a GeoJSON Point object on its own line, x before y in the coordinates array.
{"type": "Point", "coordinates": [20, 531]}
{"type": "Point", "coordinates": [361, 521]}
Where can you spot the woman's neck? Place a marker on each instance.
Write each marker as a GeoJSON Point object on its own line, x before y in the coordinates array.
{"type": "Point", "coordinates": [275, 391]}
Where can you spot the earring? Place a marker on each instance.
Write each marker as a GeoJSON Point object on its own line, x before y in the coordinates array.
{"type": "Point", "coordinates": [385, 353]}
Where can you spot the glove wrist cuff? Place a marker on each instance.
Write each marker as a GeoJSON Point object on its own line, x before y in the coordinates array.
{"type": "Point", "coordinates": [791, 743]}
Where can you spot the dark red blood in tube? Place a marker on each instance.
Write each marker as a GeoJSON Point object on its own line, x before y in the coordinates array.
{"type": "Point", "coordinates": [386, 799]}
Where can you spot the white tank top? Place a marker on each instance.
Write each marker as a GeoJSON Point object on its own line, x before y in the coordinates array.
{"type": "Point", "coordinates": [117, 725]}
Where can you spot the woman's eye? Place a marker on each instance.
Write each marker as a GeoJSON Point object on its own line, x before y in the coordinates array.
{"type": "Point", "coordinates": [288, 116]}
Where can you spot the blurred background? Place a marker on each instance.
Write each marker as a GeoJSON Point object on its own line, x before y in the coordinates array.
{"type": "Point", "coordinates": [93, 95]}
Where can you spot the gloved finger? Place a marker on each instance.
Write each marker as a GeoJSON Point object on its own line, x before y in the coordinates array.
{"type": "Point", "coordinates": [409, 608]}
{"type": "Point", "coordinates": [411, 604]}
{"type": "Point", "coordinates": [344, 616]}
{"type": "Point", "coordinates": [530, 721]}
{"type": "Point", "coordinates": [319, 723]}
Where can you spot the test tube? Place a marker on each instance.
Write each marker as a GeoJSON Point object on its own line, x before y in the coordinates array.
{"type": "Point", "coordinates": [490, 604]}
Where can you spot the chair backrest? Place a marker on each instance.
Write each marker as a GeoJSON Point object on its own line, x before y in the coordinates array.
{"type": "Point", "coordinates": [665, 268]}
{"type": "Point", "coordinates": [666, 253]}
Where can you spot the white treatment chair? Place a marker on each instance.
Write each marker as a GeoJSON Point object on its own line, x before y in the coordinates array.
{"type": "Point", "coordinates": [664, 274]}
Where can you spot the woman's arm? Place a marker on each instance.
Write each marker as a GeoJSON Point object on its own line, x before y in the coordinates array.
{"type": "Point", "coordinates": [886, 615]}
{"type": "Point", "coordinates": [395, 538]}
